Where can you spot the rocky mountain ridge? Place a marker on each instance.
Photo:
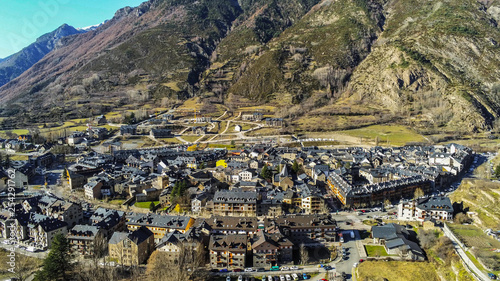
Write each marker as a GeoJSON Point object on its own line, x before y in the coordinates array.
{"type": "Point", "coordinates": [12, 66]}
{"type": "Point", "coordinates": [325, 65]}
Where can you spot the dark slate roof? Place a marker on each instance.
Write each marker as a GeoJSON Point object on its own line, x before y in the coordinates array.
{"type": "Point", "coordinates": [232, 243]}
{"type": "Point", "coordinates": [118, 237]}
{"type": "Point", "coordinates": [388, 231]}
{"type": "Point", "coordinates": [46, 223]}
{"type": "Point", "coordinates": [105, 218]}
{"type": "Point", "coordinates": [83, 231]}
{"type": "Point", "coordinates": [303, 221]}
{"type": "Point", "coordinates": [436, 204]}
{"type": "Point", "coordinates": [223, 223]}
{"type": "Point", "coordinates": [395, 243]}
{"type": "Point", "coordinates": [138, 236]}
{"type": "Point", "coordinates": [172, 222]}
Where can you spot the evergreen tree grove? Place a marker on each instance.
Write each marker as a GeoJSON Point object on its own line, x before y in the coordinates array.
{"type": "Point", "coordinates": [57, 262]}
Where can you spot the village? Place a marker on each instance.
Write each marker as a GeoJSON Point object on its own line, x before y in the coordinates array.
{"type": "Point", "coordinates": [282, 206]}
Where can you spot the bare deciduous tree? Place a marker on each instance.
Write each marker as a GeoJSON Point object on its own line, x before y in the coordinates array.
{"type": "Point", "coordinates": [190, 259]}
{"type": "Point", "coordinates": [304, 254]}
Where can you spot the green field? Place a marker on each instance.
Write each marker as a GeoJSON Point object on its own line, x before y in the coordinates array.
{"type": "Point", "coordinates": [16, 157]}
{"type": "Point", "coordinates": [244, 127]}
{"type": "Point", "coordinates": [145, 205]}
{"type": "Point", "coordinates": [376, 251]}
{"type": "Point", "coordinates": [190, 138]}
{"type": "Point", "coordinates": [117, 202]}
{"type": "Point", "coordinates": [226, 146]}
{"type": "Point", "coordinates": [16, 131]}
{"type": "Point", "coordinates": [473, 236]}
{"type": "Point", "coordinates": [387, 134]}
{"type": "Point", "coordinates": [169, 140]}
{"type": "Point", "coordinates": [481, 245]}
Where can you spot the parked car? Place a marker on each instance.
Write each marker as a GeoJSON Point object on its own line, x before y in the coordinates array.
{"type": "Point", "coordinates": [492, 276]}
{"type": "Point", "coordinates": [248, 269]}
{"type": "Point", "coordinates": [240, 278]}
{"type": "Point", "coordinates": [288, 277]}
{"type": "Point", "coordinates": [355, 264]}
{"type": "Point", "coordinates": [294, 267]}
{"type": "Point", "coordinates": [260, 269]}
{"type": "Point", "coordinates": [305, 276]}
{"type": "Point", "coordinates": [285, 268]}
{"type": "Point", "coordinates": [228, 278]}
{"type": "Point", "coordinates": [237, 270]}
{"type": "Point", "coordinates": [361, 260]}
{"type": "Point", "coordinates": [224, 270]}
{"type": "Point", "coordinates": [274, 268]}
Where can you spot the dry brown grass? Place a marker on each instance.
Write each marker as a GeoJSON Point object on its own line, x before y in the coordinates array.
{"type": "Point", "coordinates": [396, 270]}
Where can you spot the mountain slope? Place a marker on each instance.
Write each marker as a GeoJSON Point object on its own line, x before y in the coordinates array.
{"type": "Point", "coordinates": [436, 62]}
{"type": "Point", "coordinates": [329, 64]}
{"type": "Point", "coordinates": [14, 65]}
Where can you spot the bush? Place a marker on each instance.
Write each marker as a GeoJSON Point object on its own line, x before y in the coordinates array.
{"type": "Point", "coordinates": [428, 239]}
{"type": "Point", "coordinates": [462, 218]}
{"type": "Point", "coordinates": [445, 249]}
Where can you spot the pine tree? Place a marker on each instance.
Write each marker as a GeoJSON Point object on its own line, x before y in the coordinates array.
{"type": "Point", "coordinates": [152, 206]}
{"type": "Point", "coordinates": [295, 167]}
{"type": "Point", "coordinates": [266, 173]}
{"type": "Point", "coordinates": [497, 171]}
{"type": "Point", "coordinates": [57, 262]}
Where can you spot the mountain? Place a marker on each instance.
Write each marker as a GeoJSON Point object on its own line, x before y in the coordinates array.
{"type": "Point", "coordinates": [325, 64]}
{"type": "Point", "coordinates": [12, 66]}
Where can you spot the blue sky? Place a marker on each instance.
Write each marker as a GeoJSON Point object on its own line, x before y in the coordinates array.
{"type": "Point", "coordinates": [22, 21]}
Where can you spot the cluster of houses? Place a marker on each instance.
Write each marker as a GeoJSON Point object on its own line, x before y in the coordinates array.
{"type": "Point", "coordinates": [397, 240]}
{"type": "Point", "coordinates": [130, 238]}
{"type": "Point", "coordinates": [23, 142]}
{"type": "Point", "coordinates": [221, 182]}
{"type": "Point", "coordinates": [245, 216]}
{"type": "Point", "coordinates": [394, 173]}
